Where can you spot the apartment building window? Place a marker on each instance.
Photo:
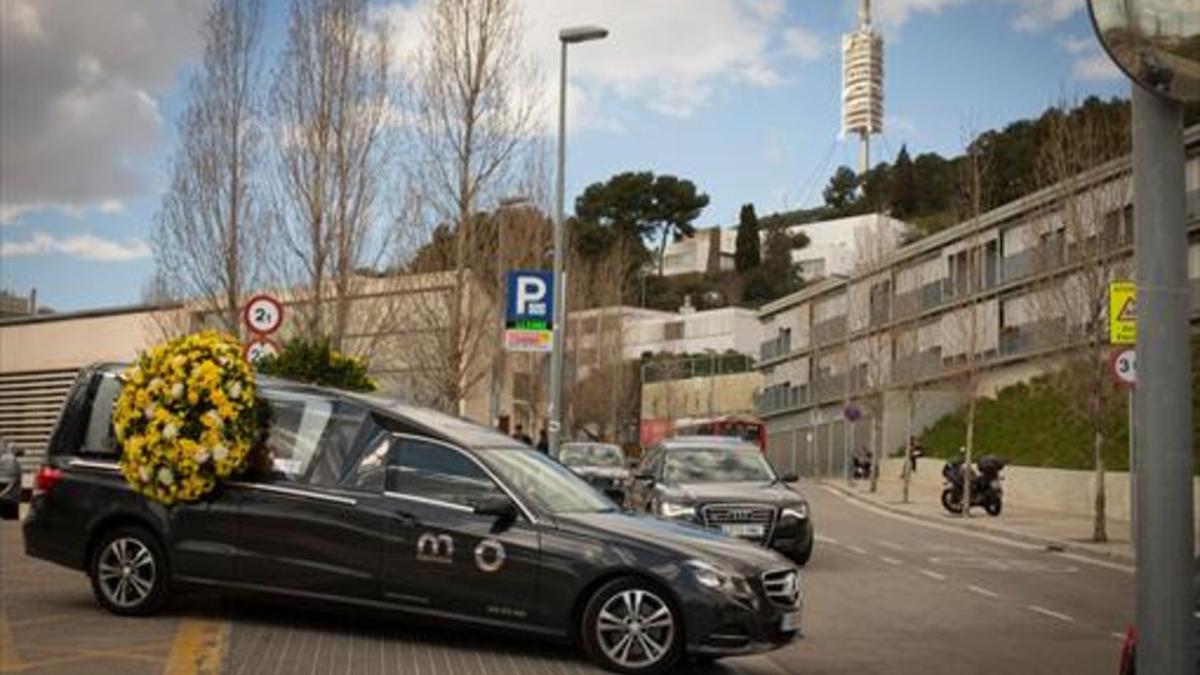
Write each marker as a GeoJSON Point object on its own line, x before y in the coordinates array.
{"type": "Point", "coordinates": [673, 330]}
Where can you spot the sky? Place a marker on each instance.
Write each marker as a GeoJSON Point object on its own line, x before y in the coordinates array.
{"type": "Point", "coordinates": [739, 96]}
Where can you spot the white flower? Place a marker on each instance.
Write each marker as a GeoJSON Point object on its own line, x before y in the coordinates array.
{"type": "Point", "coordinates": [156, 383]}
{"type": "Point", "coordinates": [216, 417]}
{"type": "Point", "coordinates": [177, 390]}
{"type": "Point", "coordinates": [235, 390]}
{"type": "Point", "coordinates": [165, 477]}
{"type": "Point", "coordinates": [169, 432]}
{"type": "Point", "coordinates": [144, 473]}
{"type": "Point", "coordinates": [202, 455]}
{"type": "Point", "coordinates": [220, 452]}
{"type": "Point", "coordinates": [149, 410]}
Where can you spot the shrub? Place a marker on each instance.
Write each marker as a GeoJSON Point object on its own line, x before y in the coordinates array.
{"type": "Point", "coordinates": [316, 362]}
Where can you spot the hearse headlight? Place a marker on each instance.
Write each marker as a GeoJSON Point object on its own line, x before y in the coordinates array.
{"type": "Point", "coordinates": [797, 511]}
{"type": "Point", "coordinates": [676, 510]}
{"type": "Point", "coordinates": [720, 579]}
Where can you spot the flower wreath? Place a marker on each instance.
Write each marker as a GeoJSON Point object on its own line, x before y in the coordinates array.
{"type": "Point", "coordinates": [187, 417]}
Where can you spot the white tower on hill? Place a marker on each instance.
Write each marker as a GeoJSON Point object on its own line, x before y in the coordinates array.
{"type": "Point", "coordinates": [862, 84]}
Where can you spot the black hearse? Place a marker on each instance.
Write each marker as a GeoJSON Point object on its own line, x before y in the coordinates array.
{"type": "Point", "coordinates": [382, 504]}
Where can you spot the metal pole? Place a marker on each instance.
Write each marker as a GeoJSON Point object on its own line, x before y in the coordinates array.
{"type": "Point", "coordinates": [560, 300]}
{"type": "Point", "coordinates": [1165, 543]}
{"type": "Point", "coordinates": [1132, 468]}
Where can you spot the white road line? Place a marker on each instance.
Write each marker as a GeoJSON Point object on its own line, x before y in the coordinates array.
{"type": "Point", "coordinates": [825, 540]}
{"type": "Point", "coordinates": [933, 575]}
{"type": "Point", "coordinates": [917, 520]}
{"type": "Point", "coordinates": [856, 549]}
{"type": "Point", "coordinates": [892, 545]}
{"type": "Point", "coordinates": [1050, 613]}
{"type": "Point", "coordinates": [982, 591]}
{"type": "Point", "coordinates": [1119, 636]}
{"type": "Point", "coordinates": [891, 561]}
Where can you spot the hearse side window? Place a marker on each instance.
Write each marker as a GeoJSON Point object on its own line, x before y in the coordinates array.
{"type": "Point", "coordinates": [436, 472]}
{"type": "Point", "coordinates": [369, 474]}
{"type": "Point", "coordinates": [305, 427]}
{"type": "Point", "coordinates": [99, 439]}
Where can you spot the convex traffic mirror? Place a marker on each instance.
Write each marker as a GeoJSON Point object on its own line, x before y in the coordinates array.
{"type": "Point", "coordinates": [1156, 42]}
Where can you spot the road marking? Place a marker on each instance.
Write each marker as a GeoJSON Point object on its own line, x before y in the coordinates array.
{"type": "Point", "coordinates": [856, 549]}
{"type": "Point", "coordinates": [1050, 613]}
{"type": "Point", "coordinates": [1119, 636]}
{"type": "Point", "coordinates": [199, 647]}
{"type": "Point", "coordinates": [975, 534]}
{"type": "Point", "coordinates": [891, 561]}
{"type": "Point", "coordinates": [933, 575]}
{"type": "Point", "coordinates": [983, 591]}
{"type": "Point", "coordinates": [892, 545]}
{"type": "Point", "coordinates": [825, 540]}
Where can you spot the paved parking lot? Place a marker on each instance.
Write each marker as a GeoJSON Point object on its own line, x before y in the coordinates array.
{"type": "Point", "coordinates": [49, 623]}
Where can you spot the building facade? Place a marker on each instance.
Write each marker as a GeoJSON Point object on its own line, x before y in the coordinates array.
{"type": "Point", "coordinates": [982, 305]}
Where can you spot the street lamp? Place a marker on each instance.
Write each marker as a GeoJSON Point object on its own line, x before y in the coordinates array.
{"type": "Point", "coordinates": [566, 36]}
{"type": "Point", "coordinates": [1155, 43]}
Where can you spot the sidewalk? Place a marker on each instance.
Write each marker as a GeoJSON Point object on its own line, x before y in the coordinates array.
{"type": "Point", "coordinates": [1043, 528]}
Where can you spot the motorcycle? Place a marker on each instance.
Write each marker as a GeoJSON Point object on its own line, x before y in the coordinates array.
{"type": "Point", "coordinates": [985, 485]}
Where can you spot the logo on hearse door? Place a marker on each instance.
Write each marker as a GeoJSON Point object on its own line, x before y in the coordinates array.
{"type": "Point", "coordinates": [436, 548]}
{"type": "Point", "coordinates": [489, 556]}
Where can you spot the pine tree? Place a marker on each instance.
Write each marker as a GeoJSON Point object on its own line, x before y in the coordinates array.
{"type": "Point", "coordinates": [748, 254]}
{"type": "Point", "coordinates": [904, 185]}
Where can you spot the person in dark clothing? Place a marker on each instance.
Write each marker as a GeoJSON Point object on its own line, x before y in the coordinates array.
{"type": "Point", "coordinates": [543, 444]}
{"type": "Point", "coordinates": [520, 435]}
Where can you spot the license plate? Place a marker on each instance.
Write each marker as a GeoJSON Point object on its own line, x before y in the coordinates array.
{"type": "Point", "coordinates": [789, 622]}
{"type": "Point", "coordinates": [743, 530]}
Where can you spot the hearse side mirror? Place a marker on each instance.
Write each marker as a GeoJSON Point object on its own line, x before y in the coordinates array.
{"type": "Point", "coordinates": [500, 506]}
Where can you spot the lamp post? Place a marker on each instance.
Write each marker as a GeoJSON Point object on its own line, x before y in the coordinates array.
{"type": "Point", "coordinates": [566, 36]}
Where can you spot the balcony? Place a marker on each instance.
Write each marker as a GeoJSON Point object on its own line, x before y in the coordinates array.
{"type": "Point", "coordinates": [829, 331]}
{"type": "Point", "coordinates": [930, 295]}
{"type": "Point", "coordinates": [781, 345]}
{"type": "Point", "coordinates": [779, 398]}
{"type": "Point", "coordinates": [1032, 337]}
{"type": "Point", "coordinates": [919, 366]}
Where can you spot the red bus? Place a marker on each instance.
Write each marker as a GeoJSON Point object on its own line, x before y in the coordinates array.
{"type": "Point", "coordinates": [746, 428]}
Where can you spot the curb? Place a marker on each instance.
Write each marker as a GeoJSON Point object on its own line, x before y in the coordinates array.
{"type": "Point", "coordinates": [1017, 535]}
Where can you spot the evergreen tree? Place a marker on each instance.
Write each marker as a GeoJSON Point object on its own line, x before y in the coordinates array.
{"type": "Point", "coordinates": [748, 255]}
{"type": "Point", "coordinates": [904, 185]}
{"type": "Point", "coordinates": [842, 191]}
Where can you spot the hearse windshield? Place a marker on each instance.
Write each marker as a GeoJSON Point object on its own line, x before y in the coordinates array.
{"type": "Point", "coordinates": [548, 485]}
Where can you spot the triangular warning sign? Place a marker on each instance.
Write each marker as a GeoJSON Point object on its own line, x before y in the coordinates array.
{"type": "Point", "coordinates": [1128, 310]}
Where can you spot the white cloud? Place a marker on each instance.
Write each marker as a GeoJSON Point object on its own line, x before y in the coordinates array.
{"type": "Point", "coordinates": [85, 246]}
{"type": "Point", "coordinates": [1089, 61]}
{"type": "Point", "coordinates": [77, 96]}
{"type": "Point", "coordinates": [670, 56]}
{"type": "Point", "coordinates": [803, 43]}
{"type": "Point", "coordinates": [1029, 14]}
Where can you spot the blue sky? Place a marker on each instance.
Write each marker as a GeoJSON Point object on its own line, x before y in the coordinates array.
{"type": "Point", "coordinates": [740, 96]}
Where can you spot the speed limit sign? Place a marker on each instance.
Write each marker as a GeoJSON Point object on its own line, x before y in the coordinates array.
{"type": "Point", "coordinates": [261, 348]}
{"type": "Point", "coordinates": [1124, 367]}
{"type": "Point", "coordinates": [263, 314]}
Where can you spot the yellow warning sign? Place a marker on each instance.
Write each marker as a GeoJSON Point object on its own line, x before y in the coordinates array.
{"type": "Point", "coordinates": [1122, 313]}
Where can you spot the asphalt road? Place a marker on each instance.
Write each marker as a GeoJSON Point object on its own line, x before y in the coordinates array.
{"type": "Point", "coordinates": [883, 594]}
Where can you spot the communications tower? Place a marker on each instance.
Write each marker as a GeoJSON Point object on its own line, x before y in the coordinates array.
{"type": "Point", "coordinates": [862, 84]}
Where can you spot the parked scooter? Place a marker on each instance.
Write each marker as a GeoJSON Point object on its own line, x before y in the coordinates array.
{"type": "Point", "coordinates": [985, 484]}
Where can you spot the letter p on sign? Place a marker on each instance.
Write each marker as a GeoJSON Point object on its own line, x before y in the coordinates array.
{"type": "Point", "coordinates": [531, 296]}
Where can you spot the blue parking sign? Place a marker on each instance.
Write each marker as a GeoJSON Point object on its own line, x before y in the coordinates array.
{"type": "Point", "coordinates": [530, 300]}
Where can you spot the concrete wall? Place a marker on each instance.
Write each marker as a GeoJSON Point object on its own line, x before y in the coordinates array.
{"type": "Point", "coordinates": [76, 342]}
{"type": "Point", "coordinates": [1059, 490]}
{"type": "Point", "coordinates": [701, 397]}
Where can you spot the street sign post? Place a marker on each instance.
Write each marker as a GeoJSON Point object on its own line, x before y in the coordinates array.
{"type": "Point", "coordinates": [529, 319]}
{"type": "Point", "coordinates": [1122, 313]}
{"type": "Point", "coordinates": [1153, 41]}
{"type": "Point", "coordinates": [263, 314]}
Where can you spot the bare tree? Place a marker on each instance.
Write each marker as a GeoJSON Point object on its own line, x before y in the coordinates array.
{"type": "Point", "coordinates": [1080, 246]}
{"type": "Point", "coordinates": [208, 229]}
{"type": "Point", "coordinates": [331, 109]}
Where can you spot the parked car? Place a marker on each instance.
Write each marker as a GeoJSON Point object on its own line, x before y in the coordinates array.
{"type": "Point", "coordinates": [386, 505]}
{"type": "Point", "coordinates": [600, 464]}
{"type": "Point", "coordinates": [10, 480]}
{"type": "Point", "coordinates": [726, 485]}
{"type": "Point", "coordinates": [1129, 646]}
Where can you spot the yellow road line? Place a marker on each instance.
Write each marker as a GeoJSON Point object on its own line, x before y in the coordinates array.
{"type": "Point", "coordinates": [199, 647]}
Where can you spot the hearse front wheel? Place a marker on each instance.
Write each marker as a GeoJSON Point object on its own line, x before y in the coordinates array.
{"type": "Point", "coordinates": [128, 570]}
